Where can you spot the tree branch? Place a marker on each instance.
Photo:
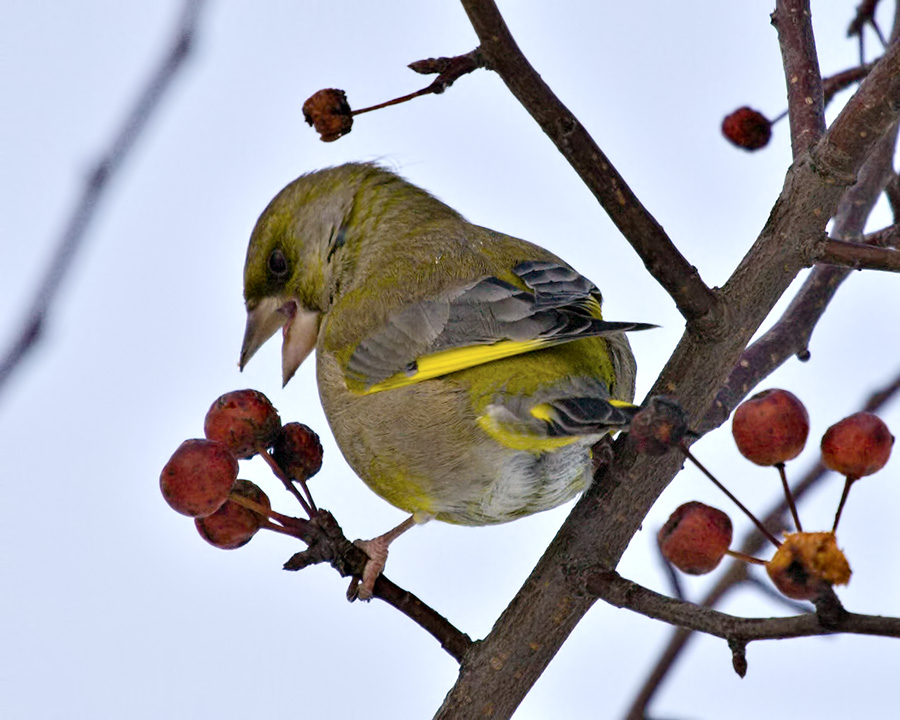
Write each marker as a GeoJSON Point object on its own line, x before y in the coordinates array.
{"type": "Point", "coordinates": [616, 590]}
{"type": "Point", "coordinates": [806, 104]}
{"type": "Point", "coordinates": [859, 256]}
{"type": "Point", "coordinates": [75, 231]}
{"type": "Point", "coordinates": [663, 260]}
{"type": "Point", "coordinates": [328, 544]}
{"type": "Point", "coordinates": [791, 334]}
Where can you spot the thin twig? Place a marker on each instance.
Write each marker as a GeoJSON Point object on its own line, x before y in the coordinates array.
{"type": "Point", "coordinates": [74, 233]}
{"type": "Point", "coordinates": [806, 104]}
{"type": "Point", "coordinates": [859, 256]}
{"type": "Point", "coordinates": [617, 591]}
{"type": "Point", "coordinates": [663, 260]}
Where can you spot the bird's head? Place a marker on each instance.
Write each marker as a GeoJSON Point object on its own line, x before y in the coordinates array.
{"type": "Point", "coordinates": [295, 262]}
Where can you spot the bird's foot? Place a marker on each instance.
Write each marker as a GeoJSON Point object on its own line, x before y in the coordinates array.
{"type": "Point", "coordinates": [377, 551]}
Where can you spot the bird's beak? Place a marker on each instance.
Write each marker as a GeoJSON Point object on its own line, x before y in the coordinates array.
{"type": "Point", "coordinates": [300, 329]}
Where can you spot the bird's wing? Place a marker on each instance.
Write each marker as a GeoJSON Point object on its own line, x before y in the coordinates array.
{"type": "Point", "coordinates": [569, 410]}
{"type": "Point", "coordinates": [478, 323]}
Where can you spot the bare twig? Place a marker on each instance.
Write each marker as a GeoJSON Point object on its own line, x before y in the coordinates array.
{"type": "Point", "coordinates": [806, 106]}
{"type": "Point", "coordinates": [327, 543]}
{"type": "Point", "coordinates": [886, 237]}
{"type": "Point", "coordinates": [448, 71]}
{"type": "Point", "coordinates": [618, 591]}
{"type": "Point", "coordinates": [859, 256]}
{"type": "Point", "coordinates": [839, 81]}
{"type": "Point", "coordinates": [501, 53]}
{"type": "Point", "coordinates": [76, 228]}
{"type": "Point", "coordinates": [790, 335]}
{"type": "Point", "coordinates": [865, 15]}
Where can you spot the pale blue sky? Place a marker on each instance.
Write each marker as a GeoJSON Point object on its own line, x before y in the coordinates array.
{"type": "Point", "coordinates": [113, 607]}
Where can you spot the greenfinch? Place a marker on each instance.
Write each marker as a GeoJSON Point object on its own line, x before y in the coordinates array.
{"type": "Point", "coordinates": [464, 373]}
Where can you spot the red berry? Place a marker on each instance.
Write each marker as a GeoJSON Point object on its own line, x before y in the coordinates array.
{"type": "Point", "coordinates": [198, 477]}
{"type": "Point", "coordinates": [297, 451]}
{"type": "Point", "coordinates": [695, 538]}
{"type": "Point", "coordinates": [806, 563]}
{"type": "Point", "coordinates": [858, 445]}
{"type": "Point", "coordinates": [747, 128]}
{"type": "Point", "coordinates": [244, 420]}
{"type": "Point", "coordinates": [233, 525]}
{"type": "Point", "coordinates": [771, 427]}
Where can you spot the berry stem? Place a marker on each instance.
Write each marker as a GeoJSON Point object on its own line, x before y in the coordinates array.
{"type": "Point", "coordinates": [744, 557]}
{"type": "Point", "coordinates": [286, 481]}
{"type": "Point", "coordinates": [275, 527]}
{"type": "Point", "coordinates": [837, 516]}
{"type": "Point", "coordinates": [779, 116]}
{"type": "Point", "coordinates": [266, 512]}
{"type": "Point", "coordinates": [789, 497]}
{"type": "Point", "coordinates": [309, 497]}
{"type": "Point", "coordinates": [759, 526]}
{"type": "Point", "coordinates": [395, 101]}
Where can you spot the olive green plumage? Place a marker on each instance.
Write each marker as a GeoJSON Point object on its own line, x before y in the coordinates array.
{"type": "Point", "coordinates": [465, 373]}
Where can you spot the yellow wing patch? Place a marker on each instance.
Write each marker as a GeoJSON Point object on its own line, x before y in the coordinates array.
{"type": "Point", "coordinates": [454, 360]}
{"type": "Point", "coordinates": [508, 437]}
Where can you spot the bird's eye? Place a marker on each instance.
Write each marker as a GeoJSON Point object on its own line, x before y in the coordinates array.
{"type": "Point", "coordinates": [278, 265]}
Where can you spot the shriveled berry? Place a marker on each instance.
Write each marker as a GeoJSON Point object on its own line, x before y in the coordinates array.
{"type": "Point", "coordinates": [695, 537]}
{"type": "Point", "coordinates": [243, 420]}
{"type": "Point", "coordinates": [658, 426]}
{"type": "Point", "coordinates": [329, 111]}
{"type": "Point", "coordinates": [857, 446]}
{"type": "Point", "coordinates": [747, 128]}
{"type": "Point", "coordinates": [298, 451]}
{"type": "Point", "coordinates": [198, 477]}
{"type": "Point", "coordinates": [771, 427]}
{"type": "Point", "coordinates": [806, 563]}
{"type": "Point", "coordinates": [233, 525]}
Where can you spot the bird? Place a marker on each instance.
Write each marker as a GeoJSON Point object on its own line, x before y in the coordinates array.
{"type": "Point", "coordinates": [464, 373]}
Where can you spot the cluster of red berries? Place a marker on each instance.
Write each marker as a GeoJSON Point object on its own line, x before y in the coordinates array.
{"type": "Point", "coordinates": [769, 429]}
{"type": "Point", "coordinates": [201, 478]}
